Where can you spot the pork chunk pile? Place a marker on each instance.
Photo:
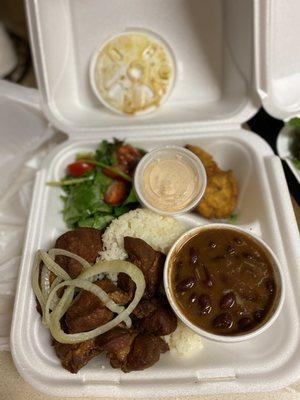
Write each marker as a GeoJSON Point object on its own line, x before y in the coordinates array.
{"type": "Point", "coordinates": [131, 349]}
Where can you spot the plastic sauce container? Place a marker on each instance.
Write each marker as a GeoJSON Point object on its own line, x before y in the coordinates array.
{"type": "Point", "coordinates": [170, 180]}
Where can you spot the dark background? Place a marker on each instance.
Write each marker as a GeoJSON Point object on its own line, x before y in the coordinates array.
{"type": "Point", "coordinates": [268, 128]}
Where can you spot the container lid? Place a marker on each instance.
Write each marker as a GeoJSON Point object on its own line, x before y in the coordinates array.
{"type": "Point", "coordinates": [133, 73]}
{"type": "Point", "coordinates": [212, 42]}
{"type": "Point", "coordinates": [277, 33]}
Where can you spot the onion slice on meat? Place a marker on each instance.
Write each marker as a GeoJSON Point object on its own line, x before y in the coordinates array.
{"type": "Point", "coordinates": [35, 277]}
{"type": "Point", "coordinates": [42, 289]}
{"type": "Point", "coordinates": [83, 282]}
{"type": "Point", "coordinates": [49, 301]}
{"type": "Point", "coordinates": [60, 252]}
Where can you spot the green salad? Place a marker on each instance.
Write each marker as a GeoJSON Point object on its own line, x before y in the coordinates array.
{"type": "Point", "coordinates": [98, 186]}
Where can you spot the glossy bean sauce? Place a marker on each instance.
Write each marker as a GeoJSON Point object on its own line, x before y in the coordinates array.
{"type": "Point", "coordinates": [223, 282]}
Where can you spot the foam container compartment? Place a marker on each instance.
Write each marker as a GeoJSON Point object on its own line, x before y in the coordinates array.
{"type": "Point", "coordinates": [221, 48]}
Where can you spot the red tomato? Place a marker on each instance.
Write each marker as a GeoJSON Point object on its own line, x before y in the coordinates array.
{"type": "Point", "coordinates": [78, 168]}
{"type": "Point", "coordinates": [128, 156]}
{"type": "Point", "coordinates": [116, 193]}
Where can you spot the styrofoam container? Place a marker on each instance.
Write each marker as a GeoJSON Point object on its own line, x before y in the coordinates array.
{"type": "Point", "coordinates": [225, 52]}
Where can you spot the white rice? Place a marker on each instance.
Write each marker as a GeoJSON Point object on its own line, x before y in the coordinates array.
{"type": "Point", "coordinates": [160, 232]}
{"type": "Point", "coordinates": [184, 342]}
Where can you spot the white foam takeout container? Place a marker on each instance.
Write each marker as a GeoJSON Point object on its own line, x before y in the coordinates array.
{"type": "Point", "coordinates": [232, 55]}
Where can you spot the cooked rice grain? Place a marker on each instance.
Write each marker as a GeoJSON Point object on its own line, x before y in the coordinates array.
{"type": "Point", "coordinates": [160, 232]}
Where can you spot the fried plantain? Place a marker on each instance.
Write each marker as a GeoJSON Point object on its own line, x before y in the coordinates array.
{"type": "Point", "coordinates": [220, 197]}
{"type": "Point", "coordinates": [207, 160]}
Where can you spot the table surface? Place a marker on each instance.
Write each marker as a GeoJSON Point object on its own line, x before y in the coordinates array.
{"type": "Point", "coordinates": [12, 386]}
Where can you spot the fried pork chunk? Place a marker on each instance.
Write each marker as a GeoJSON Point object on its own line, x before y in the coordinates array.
{"type": "Point", "coordinates": [126, 349]}
{"type": "Point", "coordinates": [161, 322]}
{"type": "Point", "coordinates": [131, 350]}
{"type": "Point", "coordinates": [149, 261]}
{"type": "Point", "coordinates": [75, 356]}
{"type": "Point", "coordinates": [85, 242]}
{"type": "Point", "coordinates": [145, 352]}
{"type": "Point", "coordinates": [220, 197]}
{"type": "Point", "coordinates": [88, 312]}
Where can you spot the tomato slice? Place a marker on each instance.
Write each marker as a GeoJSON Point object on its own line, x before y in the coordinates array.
{"type": "Point", "coordinates": [129, 156]}
{"type": "Point", "coordinates": [78, 168]}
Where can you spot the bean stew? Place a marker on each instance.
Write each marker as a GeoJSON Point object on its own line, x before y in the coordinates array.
{"type": "Point", "coordinates": [223, 281]}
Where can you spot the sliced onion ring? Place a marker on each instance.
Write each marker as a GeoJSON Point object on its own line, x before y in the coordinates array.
{"type": "Point", "coordinates": [60, 252]}
{"type": "Point", "coordinates": [101, 267]}
{"type": "Point", "coordinates": [53, 266]}
{"type": "Point", "coordinates": [50, 265]}
{"type": "Point", "coordinates": [35, 281]}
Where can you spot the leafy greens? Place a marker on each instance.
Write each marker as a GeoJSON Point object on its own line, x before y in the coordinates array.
{"type": "Point", "coordinates": [84, 204]}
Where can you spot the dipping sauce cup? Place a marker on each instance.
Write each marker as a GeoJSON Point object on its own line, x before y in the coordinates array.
{"type": "Point", "coordinates": [170, 180]}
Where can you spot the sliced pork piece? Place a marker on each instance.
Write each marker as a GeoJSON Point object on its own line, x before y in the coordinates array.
{"type": "Point", "coordinates": [117, 343]}
{"type": "Point", "coordinates": [145, 352]}
{"type": "Point", "coordinates": [131, 350]}
{"type": "Point", "coordinates": [126, 283]}
{"type": "Point", "coordinates": [85, 242]}
{"type": "Point", "coordinates": [149, 261]}
{"type": "Point", "coordinates": [75, 356]}
{"type": "Point", "coordinates": [161, 321]}
{"type": "Point", "coordinates": [145, 308]}
{"type": "Point", "coordinates": [88, 312]}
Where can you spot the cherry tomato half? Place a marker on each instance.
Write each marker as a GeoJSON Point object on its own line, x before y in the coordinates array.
{"type": "Point", "coordinates": [78, 168]}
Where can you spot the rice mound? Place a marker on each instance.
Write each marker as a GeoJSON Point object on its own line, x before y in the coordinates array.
{"type": "Point", "coordinates": [160, 232]}
{"type": "Point", "coordinates": [183, 342]}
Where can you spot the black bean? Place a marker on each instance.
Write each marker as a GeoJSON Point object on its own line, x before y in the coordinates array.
{"type": "Point", "coordinates": [244, 323]}
{"type": "Point", "coordinates": [193, 256]}
{"type": "Point", "coordinates": [212, 245]}
{"type": "Point", "coordinates": [193, 298]}
{"type": "Point", "coordinates": [238, 240]}
{"type": "Point", "coordinates": [227, 301]}
{"type": "Point", "coordinates": [223, 321]}
{"type": "Point", "coordinates": [204, 304]}
{"type": "Point", "coordinates": [230, 250]}
{"type": "Point", "coordinates": [258, 315]}
{"type": "Point", "coordinates": [185, 284]}
{"type": "Point", "coordinates": [270, 285]}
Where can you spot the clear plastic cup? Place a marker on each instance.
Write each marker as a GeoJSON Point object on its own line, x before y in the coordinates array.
{"type": "Point", "coordinates": [171, 152]}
